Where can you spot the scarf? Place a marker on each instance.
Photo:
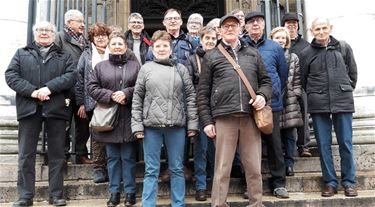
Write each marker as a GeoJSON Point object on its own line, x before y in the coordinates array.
{"type": "Point", "coordinates": [96, 58]}
{"type": "Point", "coordinates": [79, 38]}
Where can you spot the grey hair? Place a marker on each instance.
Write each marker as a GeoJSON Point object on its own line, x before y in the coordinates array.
{"type": "Point", "coordinates": [72, 14]}
{"type": "Point", "coordinates": [196, 16]}
{"type": "Point", "coordinates": [135, 15]}
{"type": "Point", "coordinates": [320, 20]}
{"type": "Point", "coordinates": [215, 22]}
{"type": "Point", "coordinates": [43, 24]}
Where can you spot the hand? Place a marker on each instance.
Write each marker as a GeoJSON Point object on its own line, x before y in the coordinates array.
{"type": "Point", "coordinates": [43, 93]}
{"type": "Point", "coordinates": [191, 133]}
{"type": "Point", "coordinates": [259, 102]}
{"type": "Point", "coordinates": [82, 112]}
{"type": "Point", "coordinates": [34, 94]}
{"type": "Point", "coordinates": [210, 131]}
{"type": "Point", "coordinates": [139, 135]}
{"type": "Point", "coordinates": [118, 97]}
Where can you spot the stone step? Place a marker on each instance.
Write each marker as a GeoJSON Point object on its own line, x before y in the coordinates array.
{"type": "Point", "coordinates": [86, 189]}
{"type": "Point", "coordinates": [311, 199]}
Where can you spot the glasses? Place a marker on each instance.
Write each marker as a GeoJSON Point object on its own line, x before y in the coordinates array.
{"type": "Point", "coordinates": [44, 30]}
{"type": "Point", "coordinates": [198, 23]}
{"type": "Point", "coordinates": [170, 18]}
{"type": "Point", "coordinates": [255, 19]}
{"type": "Point", "coordinates": [101, 36]}
{"type": "Point", "coordinates": [80, 21]}
{"type": "Point", "coordinates": [136, 22]}
{"type": "Point", "coordinates": [227, 26]}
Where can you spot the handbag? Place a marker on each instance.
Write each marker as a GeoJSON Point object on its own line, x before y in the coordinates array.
{"type": "Point", "coordinates": [263, 118]}
{"type": "Point", "coordinates": [104, 117]}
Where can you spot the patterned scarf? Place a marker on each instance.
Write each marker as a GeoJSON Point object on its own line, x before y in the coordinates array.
{"type": "Point", "coordinates": [79, 38]}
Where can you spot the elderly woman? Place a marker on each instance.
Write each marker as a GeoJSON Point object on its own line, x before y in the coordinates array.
{"type": "Point", "coordinates": [97, 52]}
{"type": "Point", "coordinates": [112, 82]}
{"type": "Point", "coordinates": [164, 109]}
{"type": "Point", "coordinates": [41, 74]}
{"type": "Point", "coordinates": [291, 117]}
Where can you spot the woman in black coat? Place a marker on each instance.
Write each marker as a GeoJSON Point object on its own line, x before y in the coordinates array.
{"type": "Point", "coordinates": [112, 82]}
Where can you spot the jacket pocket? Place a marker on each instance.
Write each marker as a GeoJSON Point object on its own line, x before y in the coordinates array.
{"type": "Point", "coordinates": [346, 88]}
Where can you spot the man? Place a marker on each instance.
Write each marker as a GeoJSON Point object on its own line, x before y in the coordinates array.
{"type": "Point", "coordinates": [276, 66]}
{"type": "Point", "coordinates": [290, 22]}
{"type": "Point", "coordinates": [41, 74]}
{"type": "Point", "coordinates": [71, 40]}
{"type": "Point", "coordinates": [137, 38]}
{"type": "Point", "coordinates": [329, 78]}
{"type": "Point", "coordinates": [241, 16]}
{"type": "Point", "coordinates": [225, 110]}
{"type": "Point", "coordinates": [194, 24]}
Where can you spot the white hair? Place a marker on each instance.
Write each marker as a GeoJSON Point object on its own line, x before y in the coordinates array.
{"type": "Point", "coordinates": [72, 14]}
{"type": "Point", "coordinates": [196, 16]}
{"type": "Point", "coordinates": [43, 24]}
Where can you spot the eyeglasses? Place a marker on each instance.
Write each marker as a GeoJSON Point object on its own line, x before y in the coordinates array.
{"type": "Point", "coordinates": [255, 19]}
{"type": "Point", "coordinates": [170, 18]}
{"type": "Point", "coordinates": [101, 36]}
{"type": "Point", "coordinates": [80, 21]}
{"type": "Point", "coordinates": [44, 30]}
{"type": "Point", "coordinates": [192, 22]}
{"type": "Point", "coordinates": [136, 22]}
{"type": "Point", "coordinates": [227, 26]}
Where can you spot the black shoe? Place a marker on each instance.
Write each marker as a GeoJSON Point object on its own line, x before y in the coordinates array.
{"type": "Point", "coordinates": [200, 195]}
{"type": "Point", "coordinates": [57, 201]}
{"type": "Point", "coordinates": [114, 200]}
{"type": "Point", "coordinates": [99, 176]}
{"type": "Point", "coordinates": [129, 199]}
{"type": "Point", "coordinates": [289, 171]}
{"type": "Point", "coordinates": [23, 202]}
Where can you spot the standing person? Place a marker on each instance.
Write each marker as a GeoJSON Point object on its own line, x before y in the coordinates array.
{"type": "Point", "coordinates": [41, 74]}
{"type": "Point", "coordinates": [208, 40]}
{"type": "Point", "coordinates": [194, 24]}
{"type": "Point", "coordinates": [275, 63]}
{"type": "Point", "coordinates": [71, 40]}
{"type": "Point", "coordinates": [291, 117]}
{"type": "Point", "coordinates": [112, 82]}
{"type": "Point", "coordinates": [290, 22]}
{"type": "Point", "coordinates": [215, 23]}
{"type": "Point", "coordinates": [329, 77]}
{"type": "Point", "coordinates": [137, 38]}
{"type": "Point", "coordinates": [224, 106]}
{"type": "Point", "coordinates": [97, 52]}
{"type": "Point", "coordinates": [241, 16]}
{"type": "Point", "coordinates": [164, 111]}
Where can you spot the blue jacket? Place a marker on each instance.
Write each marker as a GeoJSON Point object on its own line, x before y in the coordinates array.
{"type": "Point", "coordinates": [276, 66]}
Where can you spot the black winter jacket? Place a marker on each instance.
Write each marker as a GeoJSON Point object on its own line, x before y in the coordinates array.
{"type": "Point", "coordinates": [28, 71]}
{"type": "Point", "coordinates": [220, 89]}
{"type": "Point", "coordinates": [145, 43]}
{"type": "Point", "coordinates": [328, 78]}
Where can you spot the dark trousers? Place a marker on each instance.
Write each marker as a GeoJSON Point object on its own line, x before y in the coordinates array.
{"type": "Point", "coordinates": [28, 135]}
{"type": "Point", "coordinates": [303, 132]}
{"type": "Point", "coordinates": [275, 155]}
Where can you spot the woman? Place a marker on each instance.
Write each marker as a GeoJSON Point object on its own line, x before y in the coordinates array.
{"type": "Point", "coordinates": [110, 84]}
{"type": "Point", "coordinates": [291, 116]}
{"type": "Point", "coordinates": [98, 36]}
{"type": "Point", "coordinates": [164, 108]}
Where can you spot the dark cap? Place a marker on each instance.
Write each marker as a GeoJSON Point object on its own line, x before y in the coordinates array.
{"type": "Point", "coordinates": [222, 20]}
{"type": "Point", "coordinates": [289, 16]}
{"type": "Point", "coordinates": [253, 14]}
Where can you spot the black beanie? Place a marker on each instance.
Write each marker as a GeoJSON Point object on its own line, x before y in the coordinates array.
{"type": "Point", "coordinates": [289, 16]}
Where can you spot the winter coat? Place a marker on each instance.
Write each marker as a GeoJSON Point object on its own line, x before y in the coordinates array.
{"type": "Point", "coordinates": [28, 71]}
{"type": "Point", "coordinates": [164, 96]}
{"type": "Point", "coordinates": [145, 43]}
{"type": "Point", "coordinates": [297, 45]}
{"type": "Point", "coordinates": [328, 78]}
{"type": "Point", "coordinates": [192, 65]}
{"type": "Point", "coordinates": [291, 116]}
{"type": "Point", "coordinates": [275, 63]}
{"type": "Point", "coordinates": [106, 79]}
{"type": "Point", "coordinates": [70, 45]}
{"type": "Point", "coordinates": [220, 89]}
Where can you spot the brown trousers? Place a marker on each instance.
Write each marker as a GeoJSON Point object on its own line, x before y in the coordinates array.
{"type": "Point", "coordinates": [230, 132]}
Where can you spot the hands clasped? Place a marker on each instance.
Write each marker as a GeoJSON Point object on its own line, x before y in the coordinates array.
{"type": "Point", "coordinates": [41, 94]}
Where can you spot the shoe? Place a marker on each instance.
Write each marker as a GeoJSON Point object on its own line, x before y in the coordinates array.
{"type": "Point", "coordinates": [84, 160]}
{"type": "Point", "coordinates": [99, 176]}
{"type": "Point", "coordinates": [350, 191]}
{"type": "Point", "coordinates": [164, 176]}
{"type": "Point", "coordinates": [289, 171]}
{"type": "Point", "coordinates": [281, 192]}
{"type": "Point", "coordinates": [23, 202]}
{"type": "Point", "coordinates": [57, 201]}
{"type": "Point", "coordinates": [114, 200]}
{"type": "Point", "coordinates": [305, 152]}
{"type": "Point", "coordinates": [200, 195]}
{"type": "Point", "coordinates": [328, 191]}
{"type": "Point", "coordinates": [188, 174]}
{"type": "Point", "coordinates": [130, 199]}
{"type": "Point", "coordinates": [246, 195]}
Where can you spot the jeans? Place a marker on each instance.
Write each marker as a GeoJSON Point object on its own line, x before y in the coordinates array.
{"type": "Point", "coordinates": [174, 139]}
{"type": "Point", "coordinates": [288, 137]}
{"type": "Point", "coordinates": [200, 160]}
{"type": "Point", "coordinates": [121, 164]}
{"type": "Point", "coordinates": [342, 123]}
{"type": "Point", "coordinates": [303, 132]}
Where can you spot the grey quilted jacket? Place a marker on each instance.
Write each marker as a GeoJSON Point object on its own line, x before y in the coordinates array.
{"type": "Point", "coordinates": [164, 96]}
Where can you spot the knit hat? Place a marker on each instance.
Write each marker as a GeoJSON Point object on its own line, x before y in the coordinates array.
{"type": "Point", "coordinates": [253, 14]}
{"type": "Point", "coordinates": [289, 16]}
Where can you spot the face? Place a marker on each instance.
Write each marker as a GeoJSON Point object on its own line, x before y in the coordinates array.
{"type": "Point", "coordinates": [292, 26]}
{"type": "Point", "coordinates": [321, 32]}
{"type": "Point", "coordinates": [44, 36]}
{"type": "Point", "coordinates": [136, 25]}
{"type": "Point", "coordinates": [194, 26]}
{"type": "Point", "coordinates": [230, 29]}
{"type": "Point", "coordinates": [77, 25]}
{"type": "Point", "coordinates": [209, 41]}
{"type": "Point", "coordinates": [161, 49]}
{"type": "Point", "coordinates": [172, 21]}
{"type": "Point", "coordinates": [280, 37]}
{"type": "Point", "coordinates": [255, 26]}
{"type": "Point", "coordinates": [241, 16]}
{"type": "Point", "coordinates": [117, 46]}
{"type": "Point", "coordinates": [101, 40]}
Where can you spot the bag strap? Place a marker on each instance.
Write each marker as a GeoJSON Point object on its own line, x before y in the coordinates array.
{"type": "Point", "coordinates": [239, 71]}
{"type": "Point", "coordinates": [198, 63]}
{"type": "Point", "coordinates": [123, 77]}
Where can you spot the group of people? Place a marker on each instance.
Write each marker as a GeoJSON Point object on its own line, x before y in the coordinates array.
{"type": "Point", "coordinates": [177, 87]}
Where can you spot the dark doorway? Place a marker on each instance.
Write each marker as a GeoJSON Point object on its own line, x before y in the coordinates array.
{"type": "Point", "coordinates": [153, 10]}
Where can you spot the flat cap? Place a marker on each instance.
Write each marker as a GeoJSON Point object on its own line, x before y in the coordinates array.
{"type": "Point", "coordinates": [222, 20]}
{"type": "Point", "coordinates": [289, 16]}
{"type": "Point", "coordinates": [253, 14]}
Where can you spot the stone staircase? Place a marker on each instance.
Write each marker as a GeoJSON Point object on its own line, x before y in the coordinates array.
{"type": "Point", "coordinates": [304, 187]}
